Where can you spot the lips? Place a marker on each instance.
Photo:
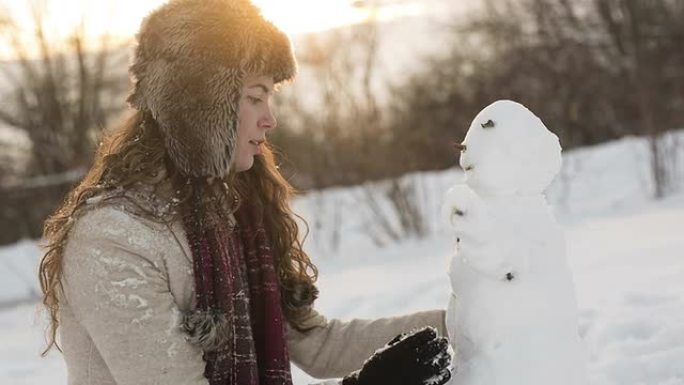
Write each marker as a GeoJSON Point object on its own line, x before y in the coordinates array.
{"type": "Point", "coordinates": [257, 143]}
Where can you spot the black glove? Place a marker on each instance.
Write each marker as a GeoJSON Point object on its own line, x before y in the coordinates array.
{"type": "Point", "coordinates": [418, 358]}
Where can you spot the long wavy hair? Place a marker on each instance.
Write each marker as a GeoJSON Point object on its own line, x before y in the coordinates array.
{"type": "Point", "coordinates": [134, 152]}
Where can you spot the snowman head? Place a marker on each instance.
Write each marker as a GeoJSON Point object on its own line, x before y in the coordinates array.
{"type": "Point", "coordinates": [509, 151]}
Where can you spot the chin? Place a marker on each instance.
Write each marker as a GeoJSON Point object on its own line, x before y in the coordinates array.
{"type": "Point", "coordinates": [244, 166]}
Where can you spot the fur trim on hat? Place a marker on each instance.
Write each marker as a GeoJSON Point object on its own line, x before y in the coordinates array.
{"type": "Point", "coordinates": [187, 70]}
{"type": "Point", "coordinates": [207, 329]}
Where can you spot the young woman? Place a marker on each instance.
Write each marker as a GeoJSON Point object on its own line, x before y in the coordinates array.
{"type": "Point", "coordinates": [177, 260]}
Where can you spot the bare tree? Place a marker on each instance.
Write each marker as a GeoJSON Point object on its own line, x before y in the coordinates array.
{"type": "Point", "coordinates": [594, 70]}
{"type": "Point", "coordinates": [340, 138]}
{"type": "Point", "coordinates": [331, 114]}
{"type": "Point", "coordinates": [647, 40]}
{"type": "Point", "coordinates": [60, 95]}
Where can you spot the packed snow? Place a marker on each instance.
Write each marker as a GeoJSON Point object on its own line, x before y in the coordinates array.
{"type": "Point", "coordinates": [624, 250]}
{"type": "Point", "coordinates": [509, 151]}
{"type": "Point", "coordinates": [512, 316]}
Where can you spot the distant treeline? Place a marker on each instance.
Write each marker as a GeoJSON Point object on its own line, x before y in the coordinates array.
{"type": "Point", "coordinates": [593, 70]}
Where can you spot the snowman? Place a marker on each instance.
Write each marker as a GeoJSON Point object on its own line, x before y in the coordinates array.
{"type": "Point", "coordinates": [512, 315]}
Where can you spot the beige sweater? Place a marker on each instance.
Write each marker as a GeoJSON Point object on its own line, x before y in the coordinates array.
{"type": "Point", "coordinates": [127, 280]}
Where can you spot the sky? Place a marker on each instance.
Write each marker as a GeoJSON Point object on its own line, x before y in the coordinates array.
{"type": "Point", "coordinates": [121, 18]}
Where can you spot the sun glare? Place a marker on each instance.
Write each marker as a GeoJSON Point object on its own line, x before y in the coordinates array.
{"type": "Point", "coordinates": [120, 19]}
{"type": "Point", "coordinates": [302, 16]}
{"type": "Point", "coordinates": [306, 16]}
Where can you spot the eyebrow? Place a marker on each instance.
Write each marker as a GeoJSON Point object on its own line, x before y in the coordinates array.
{"type": "Point", "coordinates": [263, 88]}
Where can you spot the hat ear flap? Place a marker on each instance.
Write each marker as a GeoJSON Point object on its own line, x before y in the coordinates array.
{"type": "Point", "coordinates": [200, 128]}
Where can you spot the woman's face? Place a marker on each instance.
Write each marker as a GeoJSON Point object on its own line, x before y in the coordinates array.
{"type": "Point", "coordinates": [255, 119]}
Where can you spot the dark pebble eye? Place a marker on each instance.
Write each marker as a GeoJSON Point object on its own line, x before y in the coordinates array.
{"type": "Point", "coordinates": [510, 276]}
{"type": "Point", "coordinates": [458, 212]}
{"type": "Point", "coordinates": [488, 124]}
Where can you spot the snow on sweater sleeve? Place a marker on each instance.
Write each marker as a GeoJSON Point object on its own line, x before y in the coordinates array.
{"type": "Point", "coordinates": [335, 348]}
{"type": "Point", "coordinates": [116, 284]}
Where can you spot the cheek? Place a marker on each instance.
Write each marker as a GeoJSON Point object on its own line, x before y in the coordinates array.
{"type": "Point", "coordinates": [247, 113]}
{"type": "Point", "coordinates": [241, 130]}
{"type": "Point", "coordinates": [245, 123]}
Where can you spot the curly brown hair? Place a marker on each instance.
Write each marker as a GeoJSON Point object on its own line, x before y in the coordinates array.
{"type": "Point", "coordinates": [134, 152]}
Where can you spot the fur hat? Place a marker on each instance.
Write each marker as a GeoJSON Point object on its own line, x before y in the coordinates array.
{"type": "Point", "coordinates": [187, 70]}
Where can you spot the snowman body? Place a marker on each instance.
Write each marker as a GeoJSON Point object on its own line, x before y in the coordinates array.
{"type": "Point", "coordinates": [512, 315]}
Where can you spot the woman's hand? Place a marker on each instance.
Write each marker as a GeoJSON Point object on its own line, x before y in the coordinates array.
{"type": "Point", "coordinates": [418, 358]}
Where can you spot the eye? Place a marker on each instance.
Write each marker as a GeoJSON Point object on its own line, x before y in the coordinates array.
{"type": "Point", "coordinates": [488, 124]}
{"type": "Point", "coordinates": [254, 100]}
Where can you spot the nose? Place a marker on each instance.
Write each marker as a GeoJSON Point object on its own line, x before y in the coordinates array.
{"type": "Point", "coordinates": [268, 122]}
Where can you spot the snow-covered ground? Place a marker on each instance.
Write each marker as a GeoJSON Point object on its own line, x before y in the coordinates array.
{"type": "Point", "coordinates": [625, 252]}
